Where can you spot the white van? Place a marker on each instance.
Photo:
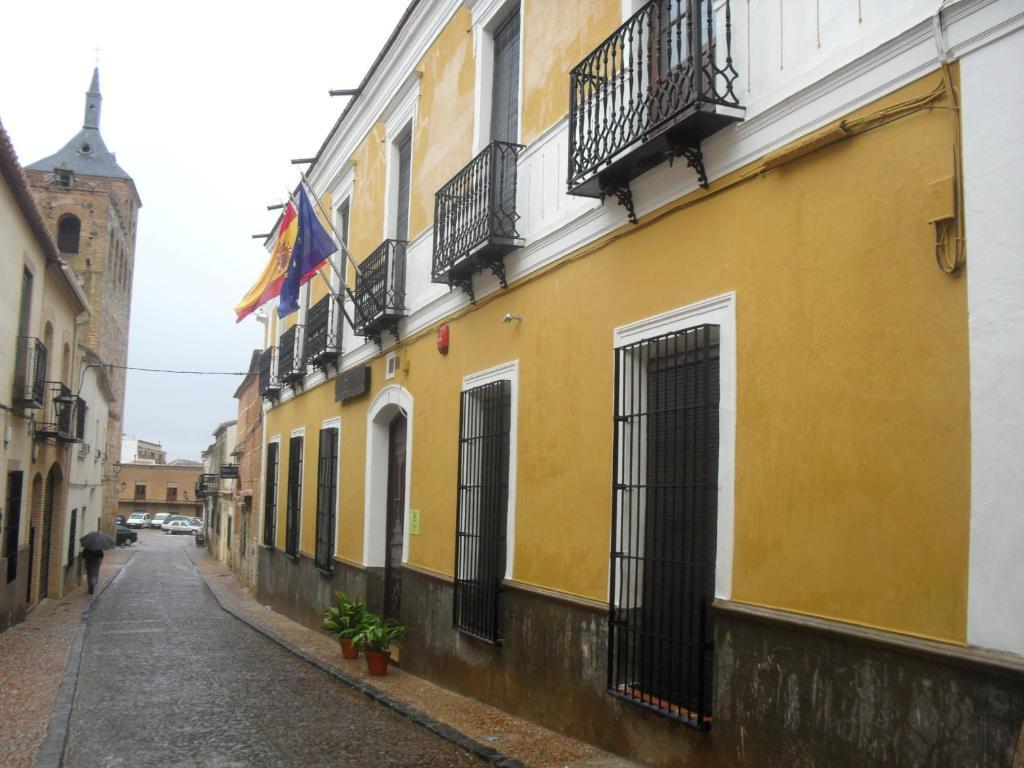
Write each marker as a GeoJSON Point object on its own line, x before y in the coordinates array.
{"type": "Point", "coordinates": [138, 520]}
{"type": "Point", "coordinates": [158, 519]}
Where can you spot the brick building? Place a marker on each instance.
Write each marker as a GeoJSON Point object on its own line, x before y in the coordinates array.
{"type": "Point", "coordinates": [243, 554]}
{"type": "Point", "coordinates": [90, 205]}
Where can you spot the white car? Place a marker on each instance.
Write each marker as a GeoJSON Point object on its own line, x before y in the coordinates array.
{"type": "Point", "coordinates": [158, 519]}
{"type": "Point", "coordinates": [167, 521]}
{"type": "Point", "coordinates": [179, 526]}
{"type": "Point", "coordinates": [137, 520]}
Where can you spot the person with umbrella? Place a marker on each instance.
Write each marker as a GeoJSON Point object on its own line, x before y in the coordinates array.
{"type": "Point", "coordinates": [93, 544]}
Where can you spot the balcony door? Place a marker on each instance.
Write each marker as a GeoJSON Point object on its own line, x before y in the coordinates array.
{"type": "Point", "coordinates": [505, 123]}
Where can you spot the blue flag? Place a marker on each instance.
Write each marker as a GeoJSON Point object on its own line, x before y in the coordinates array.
{"type": "Point", "coordinates": [312, 247]}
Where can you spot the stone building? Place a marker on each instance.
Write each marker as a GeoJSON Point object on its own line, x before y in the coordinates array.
{"type": "Point", "coordinates": [135, 450]}
{"type": "Point", "coordinates": [90, 205]}
{"type": "Point", "coordinates": [219, 481]}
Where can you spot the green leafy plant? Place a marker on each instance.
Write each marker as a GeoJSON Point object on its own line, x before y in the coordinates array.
{"type": "Point", "coordinates": [378, 634]}
{"type": "Point", "coordinates": [346, 618]}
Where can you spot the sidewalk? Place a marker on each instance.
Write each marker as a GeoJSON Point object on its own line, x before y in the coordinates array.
{"type": "Point", "coordinates": [525, 741]}
{"type": "Point", "coordinates": [33, 656]}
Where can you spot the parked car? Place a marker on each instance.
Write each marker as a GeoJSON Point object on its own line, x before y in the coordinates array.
{"type": "Point", "coordinates": [138, 520]}
{"type": "Point", "coordinates": [158, 519]}
{"type": "Point", "coordinates": [179, 526]}
{"type": "Point", "coordinates": [120, 520]}
{"type": "Point", "coordinates": [172, 518]}
{"type": "Point", "coordinates": [126, 535]}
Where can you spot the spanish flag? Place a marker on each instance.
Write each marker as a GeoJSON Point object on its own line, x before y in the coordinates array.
{"type": "Point", "coordinates": [268, 286]}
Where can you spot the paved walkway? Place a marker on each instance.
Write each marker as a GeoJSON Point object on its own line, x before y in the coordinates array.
{"type": "Point", "coordinates": [528, 742]}
{"type": "Point", "coordinates": [33, 656]}
{"type": "Point", "coordinates": [167, 678]}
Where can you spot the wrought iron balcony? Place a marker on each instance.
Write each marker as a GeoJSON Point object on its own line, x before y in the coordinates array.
{"type": "Point", "coordinates": [207, 485]}
{"type": "Point", "coordinates": [654, 90]}
{"type": "Point", "coordinates": [380, 291]}
{"type": "Point", "coordinates": [323, 332]}
{"type": "Point", "coordinates": [291, 356]}
{"type": "Point", "coordinates": [58, 421]}
{"type": "Point", "coordinates": [475, 218]}
{"type": "Point", "coordinates": [29, 372]}
{"type": "Point", "coordinates": [270, 384]}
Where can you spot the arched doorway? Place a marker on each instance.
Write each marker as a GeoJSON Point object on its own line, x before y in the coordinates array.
{"type": "Point", "coordinates": [389, 442]}
{"type": "Point", "coordinates": [35, 521]}
{"type": "Point", "coordinates": [395, 518]}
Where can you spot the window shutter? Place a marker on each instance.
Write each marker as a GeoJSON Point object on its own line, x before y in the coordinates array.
{"type": "Point", "coordinates": [270, 497]}
{"type": "Point", "coordinates": [404, 145]}
{"type": "Point", "coordinates": [505, 83]}
{"type": "Point", "coordinates": [326, 498]}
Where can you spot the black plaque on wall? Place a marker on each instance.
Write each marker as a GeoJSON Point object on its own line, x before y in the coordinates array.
{"type": "Point", "coordinates": [229, 472]}
{"type": "Point", "coordinates": [352, 384]}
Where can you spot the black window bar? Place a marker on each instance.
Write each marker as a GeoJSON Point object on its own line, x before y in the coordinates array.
{"type": "Point", "coordinates": [270, 497]}
{"type": "Point", "coordinates": [29, 372]}
{"type": "Point", "coordinates": [380, 290]}
{"type": "Point", "coordinates": [485, 418]}
{"type": "Point", "coordinates": [475, 218]}
{"type": "Point", "coordinates": [294, 508]}
{"type": "Point", "coordinates": [326, 498]}
{"type": "Point", "coordinates": [664, 523]}
{"type": "Point", "coordinates": [71, 537]}
{"type": "Point", "coordinates": [81, 411]}
{"type": "Point", "coordinates": [270, 384]}
{"type": "Point", "coordinates": [323, 335]}
{"type": "Point", "coordinates": [656, 87]}
{"type": "Point", "coordinates": [291, 358]}
{"type": "Point", "coordinates": [12, 523]}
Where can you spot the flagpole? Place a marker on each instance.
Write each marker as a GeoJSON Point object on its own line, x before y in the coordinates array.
{"type": "Point", "coordinates": [341, 278]}
{"type": "Point", "coordinates": [344, 248]}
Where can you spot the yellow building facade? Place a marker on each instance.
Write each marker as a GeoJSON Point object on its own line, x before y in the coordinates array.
{"type": "Point", "coordinates": [695, 489]}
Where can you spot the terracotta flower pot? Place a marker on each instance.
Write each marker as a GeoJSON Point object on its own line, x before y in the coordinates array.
{"type": "Point", "coordinates": [377, 662]}
{"type": "Point", "coordinates": [349, 650]}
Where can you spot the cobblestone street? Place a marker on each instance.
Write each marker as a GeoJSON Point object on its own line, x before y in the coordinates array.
{"type": "Point", "coordinates": [167, 678]}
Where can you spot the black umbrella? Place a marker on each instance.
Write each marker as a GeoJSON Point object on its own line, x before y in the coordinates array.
{"type": "Point", "coordinates": [97, 541]}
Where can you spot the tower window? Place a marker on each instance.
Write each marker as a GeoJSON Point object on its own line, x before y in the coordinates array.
{"type": "Point", "coordinates": [65, 178]}
{"type": "Point", "coordinates": [69, 229]}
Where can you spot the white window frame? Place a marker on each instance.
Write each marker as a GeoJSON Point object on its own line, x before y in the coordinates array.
{"type": "Point", "coordinates": [487, 17]}
{"type": "Point", "coordinates": [506, 371]}
{"type": "Point", "coordinates": [720, 311]}
{"type": "Point", "coordinates": [341, 193]}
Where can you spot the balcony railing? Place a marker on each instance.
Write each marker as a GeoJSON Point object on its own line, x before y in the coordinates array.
{"type": "Point", "coordinates": [475, 218]}
{"type": "Point", "coordinates": [58, 420]}
{"type": "Point", "coordinates": [380, 290]}
{"type": "Point", "coordinates": [207, 485]}
{"type": "Point", "coordinates": [658, 86]}
{"type": "Point", "coordinates": [291, 356]}
{"type": "Point", "coordinates": [29, 372]}
{"type": "Point", "coordinates": [270, 384]}
{"type": "Point", "coordinates": [323, 333]}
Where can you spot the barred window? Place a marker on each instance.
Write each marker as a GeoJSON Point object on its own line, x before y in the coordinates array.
{"type": "Point", "coordinates": [326, 498]}
{"type": "Point", "coordinates": [294, 509]}
{"type": "Point", "coordinates": [270, 497]}
{"type": "Point", "coordinates": [665, 502]}
{"type": "Point", "coordinates": [484, 430]}
{"type": "Point", "coordinates": [71, 535]}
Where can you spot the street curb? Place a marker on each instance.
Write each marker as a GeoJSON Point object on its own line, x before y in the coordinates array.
{"type": "Point", "coordinates": [51, 752]}
{"type": "Point", "coordinates": [446, 732]}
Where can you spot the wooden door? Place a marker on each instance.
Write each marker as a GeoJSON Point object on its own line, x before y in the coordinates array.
{"type": "Point", "coordinates": [395, 519]}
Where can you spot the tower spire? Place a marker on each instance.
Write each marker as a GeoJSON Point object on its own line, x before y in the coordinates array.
{"type": "Point", "coordinates": [92, 102]}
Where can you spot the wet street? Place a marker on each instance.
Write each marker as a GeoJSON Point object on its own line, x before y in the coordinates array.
{"type": "Point", "coordinates": [167, 678]}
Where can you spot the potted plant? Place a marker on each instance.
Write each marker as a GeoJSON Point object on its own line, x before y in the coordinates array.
{"type": "Point", "coordinates": [344, 621]}
{"type": "Point", "coordinates": [376, 638]}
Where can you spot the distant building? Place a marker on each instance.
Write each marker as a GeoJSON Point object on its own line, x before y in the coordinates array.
{"type": "Point", "coordinates": [136, 451]}
{"type": "Point", "coordinates": [90, 205]}
{"type": "Point", "coordinates": [219, 479]}
{"type": "Point", "coordinates": [156, 488]}
{"type": "Point", "coordinates": [243, 552]}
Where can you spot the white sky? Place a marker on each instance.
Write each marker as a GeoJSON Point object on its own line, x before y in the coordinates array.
{"type": "Point", "coordinates": [204, 104]}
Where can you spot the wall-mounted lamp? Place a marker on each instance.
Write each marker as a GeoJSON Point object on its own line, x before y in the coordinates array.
{"type": "Point", "coordinates": [509, 317]}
